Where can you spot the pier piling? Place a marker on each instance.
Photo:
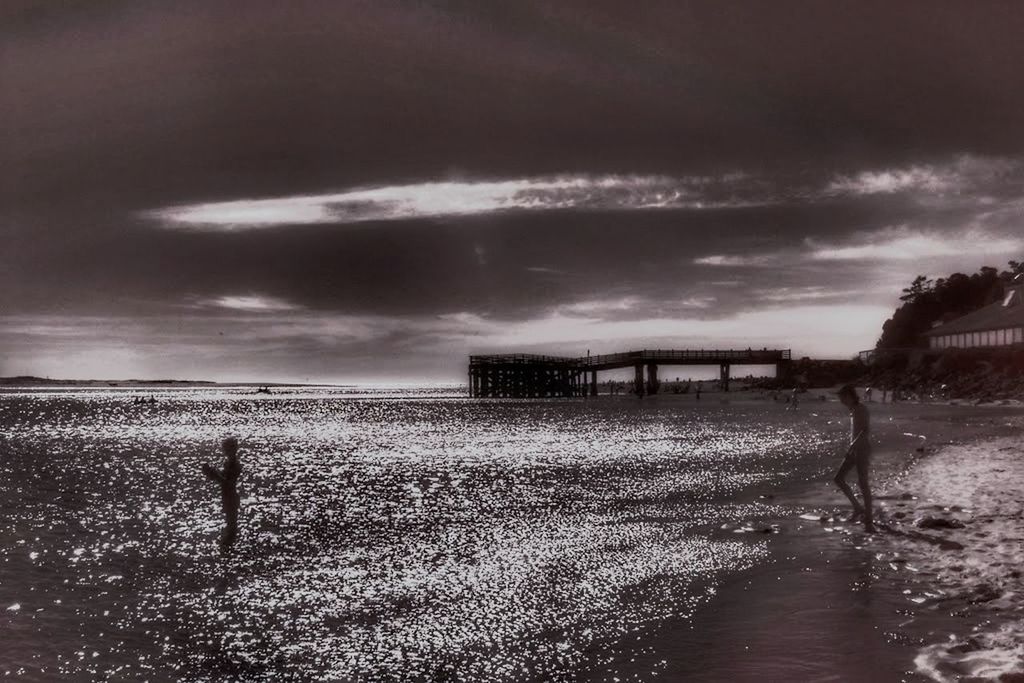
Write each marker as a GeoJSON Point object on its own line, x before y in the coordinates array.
{"type": "Point", "coordinates": [537, 376]}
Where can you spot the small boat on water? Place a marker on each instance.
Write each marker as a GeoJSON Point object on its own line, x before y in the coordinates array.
{"type": "Point", "coordinates": [264, 390]}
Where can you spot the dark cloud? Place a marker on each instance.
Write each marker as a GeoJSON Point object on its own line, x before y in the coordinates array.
{"type": "Point", "coordinates": [807, 142]}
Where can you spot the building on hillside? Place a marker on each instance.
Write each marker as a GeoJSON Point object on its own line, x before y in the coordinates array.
{"type": "Point", "coordinates": [998, 324]}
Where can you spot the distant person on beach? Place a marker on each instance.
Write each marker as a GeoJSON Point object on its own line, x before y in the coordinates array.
{"type": "Point", "coordinates": [228, 480]}
{"type": "Point", "coordinates": [858, 454]}
{"type": "Point", "coordinates": [794, 400]}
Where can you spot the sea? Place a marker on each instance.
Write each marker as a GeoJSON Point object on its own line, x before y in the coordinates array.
{"type": "Point", "coordinates": [387, 534]}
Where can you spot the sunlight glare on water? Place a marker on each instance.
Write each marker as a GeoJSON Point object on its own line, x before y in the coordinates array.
{"type": "Point", "coordinates": [385, 535]}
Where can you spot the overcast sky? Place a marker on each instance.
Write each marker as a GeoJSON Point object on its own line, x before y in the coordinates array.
{"type": "Point", "coordinates": [352, 191]}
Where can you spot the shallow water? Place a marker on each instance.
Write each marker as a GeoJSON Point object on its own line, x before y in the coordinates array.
{"type": "Point", "coordinates": [395, 535]}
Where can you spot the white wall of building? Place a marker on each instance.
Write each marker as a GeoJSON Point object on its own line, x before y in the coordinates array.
{"type": "Point", "coordinates": [965, 340]}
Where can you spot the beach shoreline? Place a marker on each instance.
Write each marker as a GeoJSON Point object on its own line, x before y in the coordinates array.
{"type": "Point", "coordinates": [835, 603]}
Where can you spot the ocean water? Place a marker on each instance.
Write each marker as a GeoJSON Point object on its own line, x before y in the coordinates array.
{"type": "Point", "coordinates": [386, 535]}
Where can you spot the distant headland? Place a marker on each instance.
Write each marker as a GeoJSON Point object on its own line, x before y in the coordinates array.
{"type": "Point", "coordinates": [32, 381]}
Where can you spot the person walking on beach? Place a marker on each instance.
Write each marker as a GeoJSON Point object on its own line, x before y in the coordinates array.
{"type": "Point", "coordinates": [228, 480]}
{"type": "Point", "coordinates": [858, 454]}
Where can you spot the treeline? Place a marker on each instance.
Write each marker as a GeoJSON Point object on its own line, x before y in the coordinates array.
{"type": "Point", "coordinates": [926, 301]}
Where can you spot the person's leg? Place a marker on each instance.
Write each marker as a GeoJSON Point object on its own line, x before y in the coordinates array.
{"type": "Point", "coordinates": [840, 480]}
{"type": "Point", "coordinates": [231, 523]}
{"type": "Point", "coordinates": [863, 470]}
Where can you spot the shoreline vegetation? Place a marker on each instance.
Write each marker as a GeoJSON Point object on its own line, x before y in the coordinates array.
{"type": "Point", "coordinates": [903, 361]}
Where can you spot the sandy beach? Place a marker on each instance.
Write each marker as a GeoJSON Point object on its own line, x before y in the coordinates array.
{"type": "Point", "coordinates": [934, 596]}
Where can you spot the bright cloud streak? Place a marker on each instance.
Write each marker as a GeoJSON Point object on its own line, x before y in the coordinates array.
{"type": "Point", "coordinates": [597, 306]}
{"type": "Point", "coordinates": [964, 173]}
{"type": "Point", "coordinates": [733, 260]}
{"type": "Point", "coordinates": [965, 176]}
{"type": "Point", "coordinates": [425, 200]}
{"type": "Point", "coordinates": [902, 244]}
{"type": "Point", "coordinates": [810, 293]}
{"type": "Point", "coordinates": [887, 182]}
{"type": "Point", "coordinates": [252, 303]}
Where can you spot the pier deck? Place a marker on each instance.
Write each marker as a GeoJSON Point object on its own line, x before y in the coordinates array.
{"type": "Point", "coordinates": [538, 376]}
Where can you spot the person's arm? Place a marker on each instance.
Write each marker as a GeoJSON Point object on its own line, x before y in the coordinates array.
{"type": "Point", "coordinates": [854, 442]}
{"type": "Point", "coordinates": [860, 426]}
{"type": "Point", "coordinates": [212, 473]}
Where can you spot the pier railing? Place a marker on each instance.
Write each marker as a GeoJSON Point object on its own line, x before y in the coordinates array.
{"type": "Point", "coordinates": [531, 375]}
{"type": "Point", "coordinates": [688, 356]}
{"type": "Point", "coordinates": [524, 358]}
{"type": "Point", "coordinates": [626, 358]}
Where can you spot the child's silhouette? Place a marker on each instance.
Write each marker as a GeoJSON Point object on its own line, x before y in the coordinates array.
{"type": "Point", "coordinates": [228, 479]}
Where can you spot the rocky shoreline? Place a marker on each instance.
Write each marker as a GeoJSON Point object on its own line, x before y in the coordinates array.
{"type": "Point", "coordinates": [970, 374]}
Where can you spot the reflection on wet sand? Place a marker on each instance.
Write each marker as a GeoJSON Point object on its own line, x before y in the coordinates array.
{"type": "Point", "coordinates": [397, 537]}
{"type": "Point", "coordinates": [427, 536]}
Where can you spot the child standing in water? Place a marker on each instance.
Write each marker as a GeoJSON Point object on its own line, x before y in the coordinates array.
{"type": "Point", "coordinates": [228, 479]}
{"type": "Point", "coordinates": [858, 455]}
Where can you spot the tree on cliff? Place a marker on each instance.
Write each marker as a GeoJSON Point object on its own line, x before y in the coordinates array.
{"type": "Point", "coordinates": [926, 301]}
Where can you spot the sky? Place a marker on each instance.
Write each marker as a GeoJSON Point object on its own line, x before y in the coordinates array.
{"type": "Point", "coordinates": [371, 191]}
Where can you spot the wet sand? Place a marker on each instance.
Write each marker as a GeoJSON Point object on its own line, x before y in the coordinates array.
{"type": "Point", "coordinates": [906, 604]}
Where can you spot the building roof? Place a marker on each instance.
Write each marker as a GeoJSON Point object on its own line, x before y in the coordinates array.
{"type": "Point", "coordinates": [1002, 314]}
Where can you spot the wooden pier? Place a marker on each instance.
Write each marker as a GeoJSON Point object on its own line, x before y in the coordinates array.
{"type": "Point", "coordinates": [536, 376]}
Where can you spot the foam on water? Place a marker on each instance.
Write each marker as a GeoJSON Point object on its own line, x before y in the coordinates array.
{"type": "Point", "coordinates": [971, 569]}
{"type": "Point", "coordinates": [984, 655]}
{"type": "Point", "coordinates": [390, 536]}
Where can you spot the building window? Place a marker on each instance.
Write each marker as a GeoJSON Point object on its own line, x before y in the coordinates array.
{"type": "Point", "coordinates": [1018, 335]}
{"type": "Point", "coordinates": [1003, 341]}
